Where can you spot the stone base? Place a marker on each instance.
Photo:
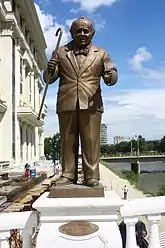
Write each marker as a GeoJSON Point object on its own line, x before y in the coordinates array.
{"type": "Point", "coordinates": [76, 190]}
{"type": "Point", "coordinates": [79, 222]}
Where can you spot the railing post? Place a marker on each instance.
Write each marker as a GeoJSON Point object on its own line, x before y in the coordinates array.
{"type": "Point", "coordinates": [26, 236]}
{"type": "Point", "coordinates": [4, 239]}
{"type": "Point", "coordinates": [153, 221]}
{"type": "Point", "coordinates": [130, 232]}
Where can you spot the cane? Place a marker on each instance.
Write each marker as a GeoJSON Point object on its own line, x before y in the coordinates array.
{"type": "Point", "coordinates": [49, 75]}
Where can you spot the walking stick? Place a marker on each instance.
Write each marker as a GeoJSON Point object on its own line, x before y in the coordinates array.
{"type": "Point", "coordinates": [49, 75]}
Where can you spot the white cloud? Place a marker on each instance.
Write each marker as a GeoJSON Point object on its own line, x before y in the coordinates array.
{"type": "Point", "coordinates": [68, 22]}
{"type": "Point", "coordinates": [131, 113]}
{"type": "Point", "coordinates": [91, 5]}
{"type": "Point", "coordinates": [99, 25]}
{"type": "Point", "coordinates": [49, 27]}
{"type": "Point", "coordinates": [142, 55]}
{"type": "Point", "coordinates": [127, 113]}
{"type": "Point", "coordinates": [44, 2]}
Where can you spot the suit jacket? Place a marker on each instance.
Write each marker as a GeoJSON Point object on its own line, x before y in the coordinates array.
{"type": "Point", "coordinates": [82, 84]}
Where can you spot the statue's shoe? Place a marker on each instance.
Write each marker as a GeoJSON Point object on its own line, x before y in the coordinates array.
{"type": "Point", "coordinates": [92, 182]}
{"type": "Point", "coordinates": [64, 181]}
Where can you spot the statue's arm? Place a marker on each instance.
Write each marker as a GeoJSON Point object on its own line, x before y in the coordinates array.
{"type": "Point", "coordinates": [52, 68]}
{"type": "Point", "coordinates": [110, 74]}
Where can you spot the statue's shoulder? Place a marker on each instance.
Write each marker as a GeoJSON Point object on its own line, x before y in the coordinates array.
{"type": "Point", "coordinates": [99, 49]}
{"type": "Point", "coordinates": [65, 48]}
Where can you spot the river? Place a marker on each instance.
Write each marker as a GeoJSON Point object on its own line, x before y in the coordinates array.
{"type": "Point", "coordinates": [149, 182]}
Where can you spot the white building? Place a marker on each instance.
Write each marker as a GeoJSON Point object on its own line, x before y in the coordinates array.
{"type": "Point", "coordinates": [103, 134]}
{"type": "Point", "coordinates": [22, 57]}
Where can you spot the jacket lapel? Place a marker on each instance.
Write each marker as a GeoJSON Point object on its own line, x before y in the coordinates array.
{"type": "Point", "coordinates": [90, 59]}
{"type": "Point", "coordinates": [70, 55]}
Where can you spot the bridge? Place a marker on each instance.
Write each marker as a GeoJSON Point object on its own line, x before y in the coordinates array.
{"type": "Point", "coordinates": [134, 159]}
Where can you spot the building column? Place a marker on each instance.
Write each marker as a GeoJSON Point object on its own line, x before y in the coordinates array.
{"type": "Point", "coordinates": [17, 101]}
{"type": "Point", "coordinates": [37, 143]}
{"type": "Point", "coordinates": [29, 143]}
{"type": "Point", "coordinates": [6, 84]}
{"type": "Point", "coordinates": [37, 95]}
{"type": "Point", "coordinates": [24, 126]}
{"type": "Point", "coordinates": [32, 89]}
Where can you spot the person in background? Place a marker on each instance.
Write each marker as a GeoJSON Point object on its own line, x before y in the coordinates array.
{"type": "Point", "coordinates": [140, 231]}
{"type": "Point", "coordinates": [125, 190]}
{"type": "Point", "coordinates": [27, 170]}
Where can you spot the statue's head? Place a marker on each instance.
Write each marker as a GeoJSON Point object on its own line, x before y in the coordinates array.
{"type": "Point", "coordinates": [82, 31]}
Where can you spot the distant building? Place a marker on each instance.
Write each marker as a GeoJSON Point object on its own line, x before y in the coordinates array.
{"type": "Point", "coordinates": [118, 139]}
{"type": "Point", "coordinates": [103, 134]}
{"type": "Point", "coordinates": [22, 58]}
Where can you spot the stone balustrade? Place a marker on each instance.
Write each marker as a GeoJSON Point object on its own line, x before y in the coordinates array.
{"type": "Point", "coordinates": [151, 207]}
{"type": "Point", "coordinates": [25, 222]}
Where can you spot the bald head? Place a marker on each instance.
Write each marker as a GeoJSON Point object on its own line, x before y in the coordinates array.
{"type": "Point", "coordinates": [82, 31]}
{"type": "Point", "coordinates": [82, 21]}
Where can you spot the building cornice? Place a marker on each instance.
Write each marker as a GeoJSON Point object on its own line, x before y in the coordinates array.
{"type": "Point", "coordinates": [10, 18]}
{"type": "Point", "coordinates": [35, 27]}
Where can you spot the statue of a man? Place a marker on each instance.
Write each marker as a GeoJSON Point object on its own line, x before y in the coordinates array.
{"type": "Point", "coordinates": [80, 65]}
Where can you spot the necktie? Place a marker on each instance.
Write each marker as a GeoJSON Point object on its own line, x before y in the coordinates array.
{"type": "Point", "coordinates": [84, 52]}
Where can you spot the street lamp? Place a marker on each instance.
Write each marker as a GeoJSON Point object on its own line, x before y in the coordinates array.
{"type": "Point", "coordinates": [131, 143]}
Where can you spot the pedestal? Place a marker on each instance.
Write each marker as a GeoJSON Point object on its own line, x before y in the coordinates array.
{"type": "Point", "coordinates": [76, 191]}
{"type": "Point", "coordinates": [79, 222]}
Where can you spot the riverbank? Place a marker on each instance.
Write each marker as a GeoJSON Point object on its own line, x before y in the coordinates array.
{"type": "Point", "coordinates": [111, 181]}
{"type": "Point", "coordinates": [149, 183]}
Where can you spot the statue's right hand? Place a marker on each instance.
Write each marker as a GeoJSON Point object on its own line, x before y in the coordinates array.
{"type": "Point", "coordinates": [52, 63]}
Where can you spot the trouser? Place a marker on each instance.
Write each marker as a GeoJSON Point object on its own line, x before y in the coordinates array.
{"type": "Point", "coordinates": [86, 125]}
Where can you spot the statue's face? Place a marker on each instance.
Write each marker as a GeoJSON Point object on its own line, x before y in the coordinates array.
{"type": "Point", "coordinates": [82, 34]}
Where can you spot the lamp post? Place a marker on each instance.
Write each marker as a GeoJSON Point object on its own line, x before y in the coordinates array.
{"type": "Point", "coordinates": [138, 151]}
{"type": "Point", "coordinates": [131, 143]}
{"type": "Point", "coordinates": [131, 147]}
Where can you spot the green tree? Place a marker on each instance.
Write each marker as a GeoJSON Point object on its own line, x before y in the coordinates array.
{"type": "Point", "coordinates": [123, 147]}
{"type": "Point", "coordinates": [55, 149]}
{"type": "Point", "coordinates": [104, 149]}
{"type": "Point", "coordinates": [162, 145]}
{"type": "Point", "coordinates": [142, 144]}
{"type": "Point", "coordinates": [47, 146]}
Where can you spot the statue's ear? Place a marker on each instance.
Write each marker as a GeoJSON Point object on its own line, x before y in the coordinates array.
{"type": "Point", "coordinates": [93, 32]}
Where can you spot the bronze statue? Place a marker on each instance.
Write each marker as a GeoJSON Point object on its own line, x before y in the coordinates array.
{"type": "Point", "coordinates": [80, 66]}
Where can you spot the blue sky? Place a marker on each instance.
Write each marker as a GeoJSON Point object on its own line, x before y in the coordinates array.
{"type": "Point", "coordinates": [132, 31]}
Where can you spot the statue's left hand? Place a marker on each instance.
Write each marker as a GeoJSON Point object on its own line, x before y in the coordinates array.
{"type": "Point", "coordinates": [110, 76]}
